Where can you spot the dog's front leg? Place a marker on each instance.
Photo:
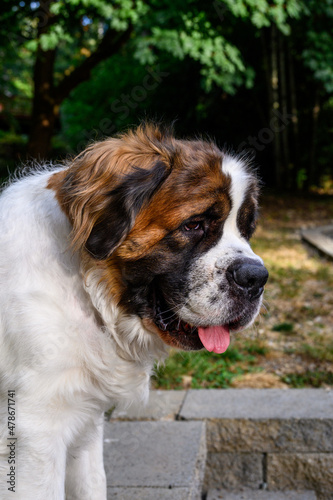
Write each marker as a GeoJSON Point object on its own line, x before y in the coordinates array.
{"type": "Point", "coordinates": [85, 475]}
{"type": "Point", "coordinates": [39, 470]}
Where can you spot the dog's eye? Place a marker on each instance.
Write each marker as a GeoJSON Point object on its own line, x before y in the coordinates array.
{"type": "Point", "coordinates": [193, 226]}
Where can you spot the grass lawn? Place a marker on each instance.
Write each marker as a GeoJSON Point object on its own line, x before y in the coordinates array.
{"type": "Point", "coordinates": [291, 343]}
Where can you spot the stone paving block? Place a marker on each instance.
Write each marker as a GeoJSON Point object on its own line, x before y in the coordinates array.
{"type": "Point", "coordinates": [260, 495]}
{"type": "Point", "coordinates": [321, 238]}
{"type": "Point", "coordinates": [259, 404]}
{"type": "Point", "coordinates": [312, 471]}
{"type": "Point", "coordinates": [230, 470]}
{"type": "Point", "coordinates": [155, 455]}
{"type": "Point", "coordinates": [246, 435]}
{"type": "Point", "coordinates": [148, 494]}
{"type": "Point", "coordinates": [162, 405]}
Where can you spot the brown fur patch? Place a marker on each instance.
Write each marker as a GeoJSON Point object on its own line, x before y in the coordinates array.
{"type": "Point", "coordinates": [194, 182]}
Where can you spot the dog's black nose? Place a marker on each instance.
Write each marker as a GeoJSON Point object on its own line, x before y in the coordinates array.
{"type": "Point", "coordinates": [250, 275]}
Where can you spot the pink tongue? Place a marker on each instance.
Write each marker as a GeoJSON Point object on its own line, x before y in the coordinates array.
{"type": "Point", "coordinates": [215, 338]}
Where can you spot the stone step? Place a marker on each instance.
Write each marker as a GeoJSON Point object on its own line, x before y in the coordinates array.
{"type": "Point", "coordinates": [162, 405]}
{"type": "Point", "coordinates": [275, 436]}
{"type": "Point", "coordinates": [254, 437]}
{"type": "Point", "coordinates": [219, 494]}
{"type": "Point", "coordinates": [154, 460]}
{"type": "Point", "coordinates": [258, 404]}
{"type": "Point", "coordinates": [321, 238]}
{"type": "Point", "coordinates": [149, 494]}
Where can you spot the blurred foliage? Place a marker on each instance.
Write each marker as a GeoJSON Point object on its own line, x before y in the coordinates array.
{"type": "Point", "coordinates": [12, 148]}
{"type": "Point", "coordinates": [318, 51]}
{"type": "Point", "coordinates": [207, 65]}
{"type": "Point", "coordinates": [181, 28]}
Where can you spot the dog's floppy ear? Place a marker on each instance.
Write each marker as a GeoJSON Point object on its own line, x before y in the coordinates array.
{"type": "Point", "coordinates": [124, 203]}
{"type": "Point", "coordinates": [105, 187]}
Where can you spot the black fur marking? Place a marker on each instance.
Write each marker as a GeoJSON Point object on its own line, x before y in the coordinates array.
{"type": "Point", "coordinates": [248, 214]}
{"type": "Point", "coordinates": [126, 200]}
{"type": "Point", "coordinates": [158, 282]}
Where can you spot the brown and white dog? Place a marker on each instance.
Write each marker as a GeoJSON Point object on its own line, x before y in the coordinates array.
{"type": "Point", "coordinates": [141, 242]}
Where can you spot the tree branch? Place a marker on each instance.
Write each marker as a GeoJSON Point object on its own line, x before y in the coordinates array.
{"type": "Point", "coordinates": [109, 46]}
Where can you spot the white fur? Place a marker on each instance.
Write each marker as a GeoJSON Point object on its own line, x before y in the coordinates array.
{"type": "Point", "coordinates": [67, 352]}
{"type": "Point", "coordinates": [207, 274]}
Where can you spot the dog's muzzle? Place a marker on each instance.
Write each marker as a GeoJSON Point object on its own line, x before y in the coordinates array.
{"type": "Point", "coordinates": [247, 276]}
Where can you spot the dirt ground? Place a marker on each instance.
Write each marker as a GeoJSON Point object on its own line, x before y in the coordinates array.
{"type": "Point", "coordinates": [291, 343]}
{"type": "Point", "coordinates": [296, 321]}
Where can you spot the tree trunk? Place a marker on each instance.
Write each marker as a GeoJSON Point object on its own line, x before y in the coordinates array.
{"type": "Point", "coordinates": [264, 38]}
{"type": "Point", "coordinates": [285, 156]}
{"type": "Point", "coordinates": [45, 109]}
{"type": "Point", "coordinates": [43, 106]}
{"type": "Point", "coordinates": [295, 150]}
{"type": "Point", "coordinates": [275, 104]}
{"type": "Point", "coordinates": [312, 178]}
{"type": "Point", "coordinates": [48, 97]}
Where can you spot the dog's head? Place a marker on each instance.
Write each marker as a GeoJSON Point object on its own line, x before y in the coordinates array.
{"type": "Point", "coordinates": [167, 222]}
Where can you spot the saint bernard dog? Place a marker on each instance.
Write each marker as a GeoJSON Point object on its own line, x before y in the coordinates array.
{"type": "Point", "coordinates": [139, 243]}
